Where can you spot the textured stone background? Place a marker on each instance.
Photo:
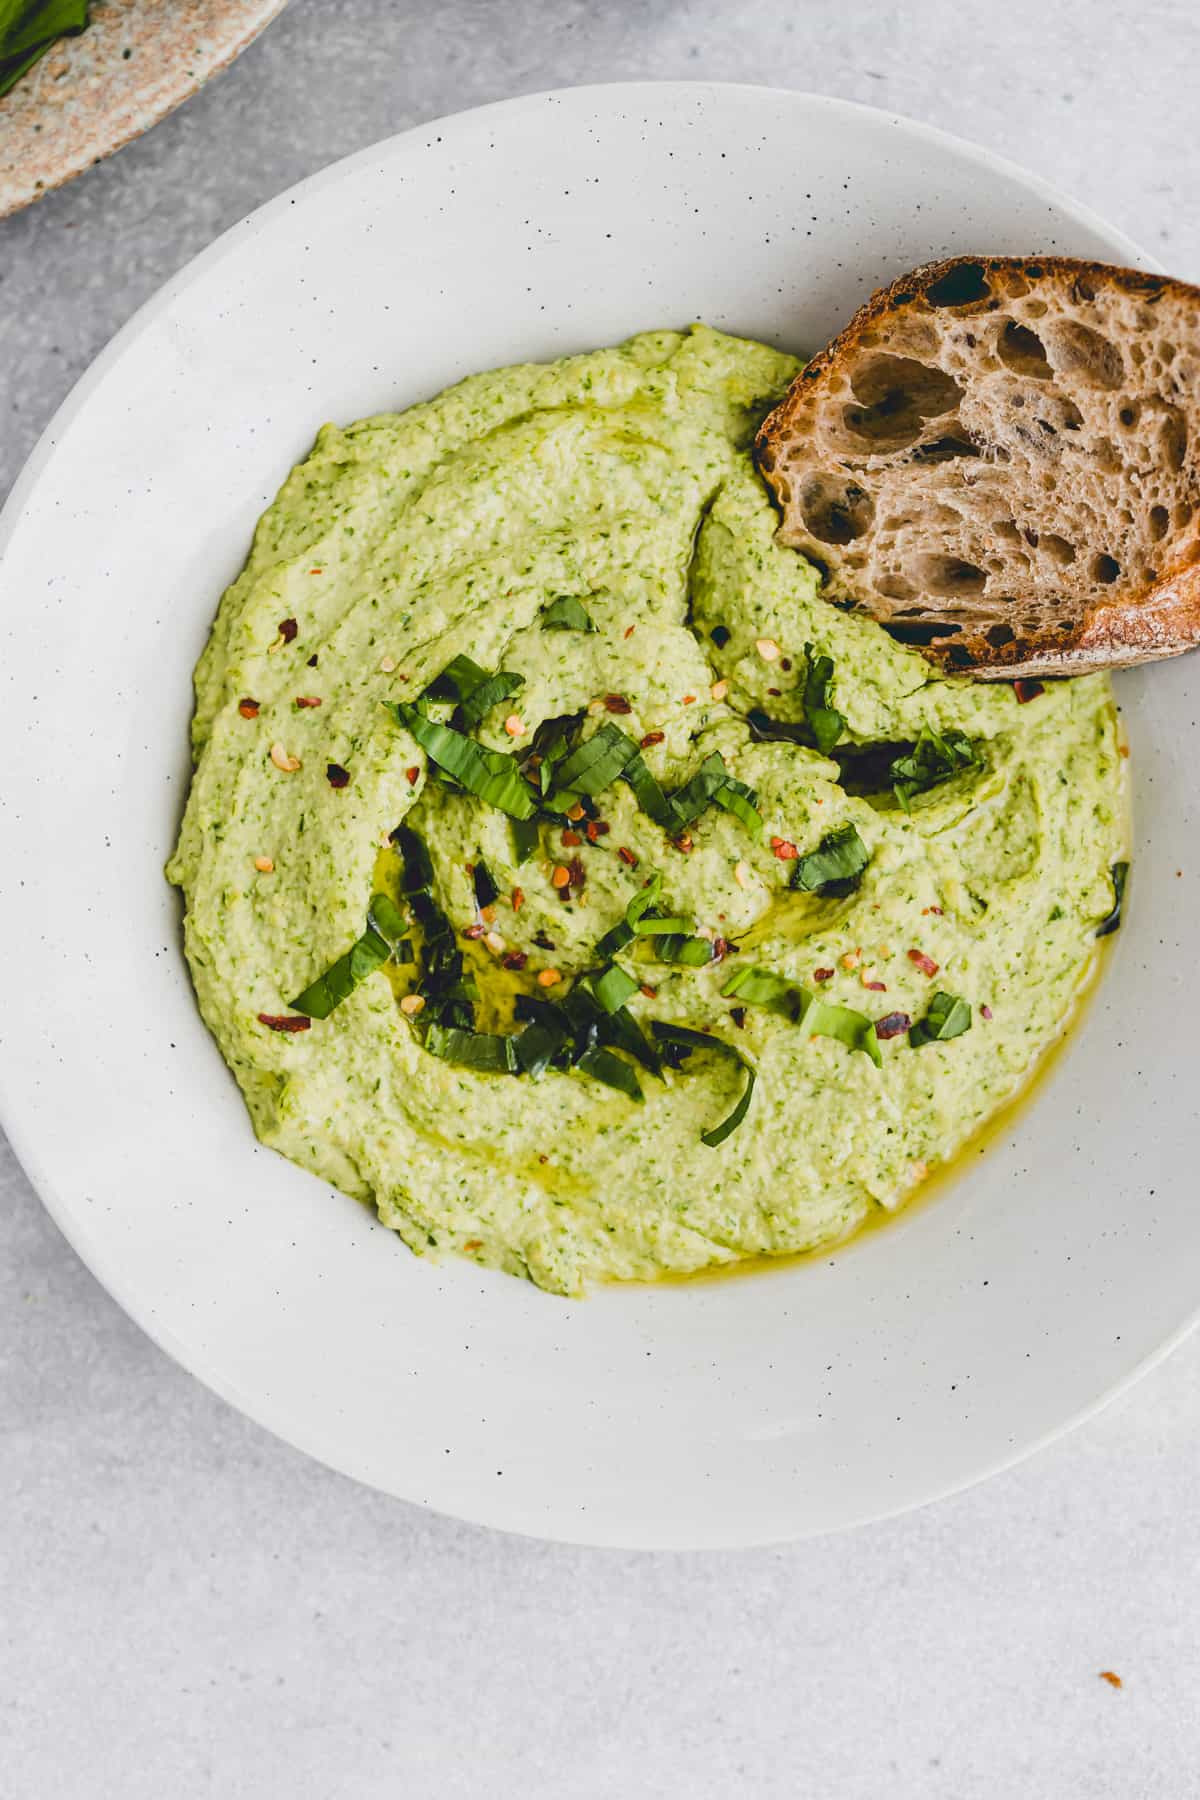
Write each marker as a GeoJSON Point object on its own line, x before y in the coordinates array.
{"type": "Point", "coordinates": [188, 1608]}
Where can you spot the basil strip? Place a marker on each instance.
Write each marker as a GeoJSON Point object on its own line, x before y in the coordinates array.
{"type": "Point", "coordinates": [1111, 923]}
{"type": "Point", "coordinates": [490, 775]}
{"type": "Point", "coordinates": [596, 763]}
{"type": "Point", "coordinates": [485, 887]}
{"type": "Point", "coordinates": [460, 677]}
{"type": "Point", "coordinates": [682, 1039]}
{"type": "Point", "coordinates": [480, 701]}
{"type": "Point", "coordinates": [472, 1049]}
{"type": "Point", "coordinates": [835, 867]}
{"type": "Point", "coordinates": [603, 1066]}
{"type": "Point", "coordinates": [613, 987]}
{"type": "Point", "coordinates": [650, 794]}
{"type": "Point", "coordinates": [819, 1017]}
{"type": "Point", "coordinates": [525, 838]}
{"type": "Point", "coordinates": [536, 1048]}
{"type": "Point", "coordinates": [822, 1018]}
{"type": "Point", "coordinates": [936, 756]}
{"type": "Point", "coordinates": [691, 952]}
{"type": "Point", "coordinates": [383, 941]}
{"type": "Point", "coordinates": [615, 939]}
{"type": "Point", "coordinates": [691, 799]}
{"type": "Point", "coordinates": [449, 994]}
{"type": "Point", "coordinates": [758, 987]}
{"type": "Point", "coordinates": [948, 1017]}
{"type": "Point", "coordinates": [566, 614]}
{"type": "Point", "coordinates": [736, 798]}
{"type": "Point", "coordinates": [654, 926]}
{"type": "Point", "coordinates": [824, 720]}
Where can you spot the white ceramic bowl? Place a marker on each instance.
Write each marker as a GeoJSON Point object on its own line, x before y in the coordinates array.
{"type": "Point", "coordinates": [732, 1412]}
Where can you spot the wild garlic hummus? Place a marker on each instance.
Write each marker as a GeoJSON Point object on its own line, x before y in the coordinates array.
{"type": "Point", "coordinates": [872, 892]}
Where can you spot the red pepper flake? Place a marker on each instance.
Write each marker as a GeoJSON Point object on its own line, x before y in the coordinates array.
{"type": "Point", "coordinates": [775, 692]}
{"type": "Point", "coordinates": [652, 737]}
{"type": "Point", "coordinates": [543, 941]}
{"type": "Point", "coordinates": [576, 873]}
{"type": "Point", "coordinates": [248, 708]}
{"type": "Point", "coordinates": [1113, 1681]}
{"type": "Point", "coordinates": [1027, 691]}
{"type": "Point", "coordinates": [738, 1015]}
{"type": "Point", "coordinates": [876, 987]}
{"type": "Point", "coordinates": [822, 974]}
{"type": "Point", "coordinates": [518, 899]}
{"type": "Point", "coordinates": [336, 776]}
{"type": "Point", "coordinates": [784, 849]}
{"type": "Point", "coordinates": [651, 993]}
{"type": "Point", "coordinates": [284, 1021]}
{"type": "Point", "coordinates": [925, 963]}
{"type": "Point", "coordinates": [785, 663]}
{"type": "Point", "coordinates": [516, 959]}
{"type": "Point", "coordinates": [931, 909]}
{"type": "Point", "coordinates": [473, 1244]}
{"type": "Point", "coordinates": [689, 699]}
{"type": "Point", "coordinates": [617, 703]}
{"type": "Point", "coordinates": [474, 931]}
{"type": "Point", "coordinates": [721, 948]}
{"type": "Point", "coordinates": [629, 630]}
{"type": "Point", "coordinates": [316, 571]}
{"type": "Point", "coordinates": [304, 701]}
{"type": "Point", "coordinates": [288, 629]}
{"type": "Point", "coordinates": [571, 838]}
{"type": "Point", "coordinates": [892, 1025]}
{"type": "Point", "coordinates": [626, 855]}
{"type": "Point", "coordinates": [412, 776]}
{"type": "Point", "coordinates": [985, 1012]}
{"type": "Point", "coordinates": [683, 842]}
{"type": "Point", "coordinates": [312, 663]}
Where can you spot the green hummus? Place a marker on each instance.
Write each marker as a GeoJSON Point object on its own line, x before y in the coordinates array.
{"type": "Point", "coordinates": [622, 480]}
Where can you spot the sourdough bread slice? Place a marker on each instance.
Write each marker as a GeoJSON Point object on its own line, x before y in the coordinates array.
{"type": "Point", "coordinates": [999, 459]}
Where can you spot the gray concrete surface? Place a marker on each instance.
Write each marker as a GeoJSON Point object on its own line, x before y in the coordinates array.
{"type": "Point", "coordinates": [189, 1609]}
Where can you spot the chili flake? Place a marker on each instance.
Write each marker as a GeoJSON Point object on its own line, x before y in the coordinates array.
{"type": "Point", "coordinates": [248, 708]}
{"type": "Point", "coordinates": [626, 855]}
{"type": "Point", "coordinates": [1027, 691]}
{"type": "Point", "coordinates": [304, 701]}
{"type": "Point", "coordinates": [925, 963]}
{"type": "Point", "coordinates": [892, 1025]}
{"type": "Point", "coordinates": [413, 775]}
{"type": "Point", "coordinates": [284, 1021]}
{"type": "Point", "coordinates": [617, 703]}
{"type": "Point", "coordinates": [652, 737]}
{"type": "Point", "coordinates": [336, 776]}
{"type": "Point", "coordinates": [823, 974]}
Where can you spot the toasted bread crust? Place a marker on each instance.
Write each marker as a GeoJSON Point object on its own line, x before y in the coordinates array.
{"type": "Point", "coordinates": [945, 322]}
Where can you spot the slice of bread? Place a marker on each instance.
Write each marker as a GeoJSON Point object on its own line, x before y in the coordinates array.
{"type": "Point", "coordinates": [999, 459]}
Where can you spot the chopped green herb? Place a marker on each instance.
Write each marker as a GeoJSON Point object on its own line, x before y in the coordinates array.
{"type": "Point", "coordinates": [682, 1041]}
{"type": "Point", "coordinates": [613, 987]}
{"type": "Point", "coordinates": [603, 1066]}
{"type": "Point", "coordinates": [525, 837]}
{"type": "Point", "coordinates": [480, 701]}
{"type": "Point", "coordinates": [736, 798]}
{"type": "Point", "coordinates": [835, 867]}
{"type": "Point", "coordinates": [759, 987]}
{"type": "Point", "coordinates": [383, 941]}
{"type": "Point", "coordinates": [473, 1049]}
{"type": "Point", "coordinates": [650, 795]}
{"type": "Point", "coordinates": [491, 775]}
{"type": "Point", "coordinates": [691, 952]}
{"type": "Point", "coordinates": [820, 1017]}
{"type": "Point", "coordinates": [1111, 923]}
{"type": "Point", "coordinates": [486, 891]}
{"type": "Point", "coordinates": [948, 1017]}
{"type": "Point", "coordinates": [566, 614]}
{"type": "Point", "coordinates": [691, 799]}
{"type": "Point", "coordinates": [842, 1023]}
{"type": "Point", "coordinates": [824, 720]}
{"type": "Point", "coordinates": [596, 762]}
{"type": "Point", "coordinates": [936, 756]}
{"type": "Point", "coordinates": [460, 677]}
